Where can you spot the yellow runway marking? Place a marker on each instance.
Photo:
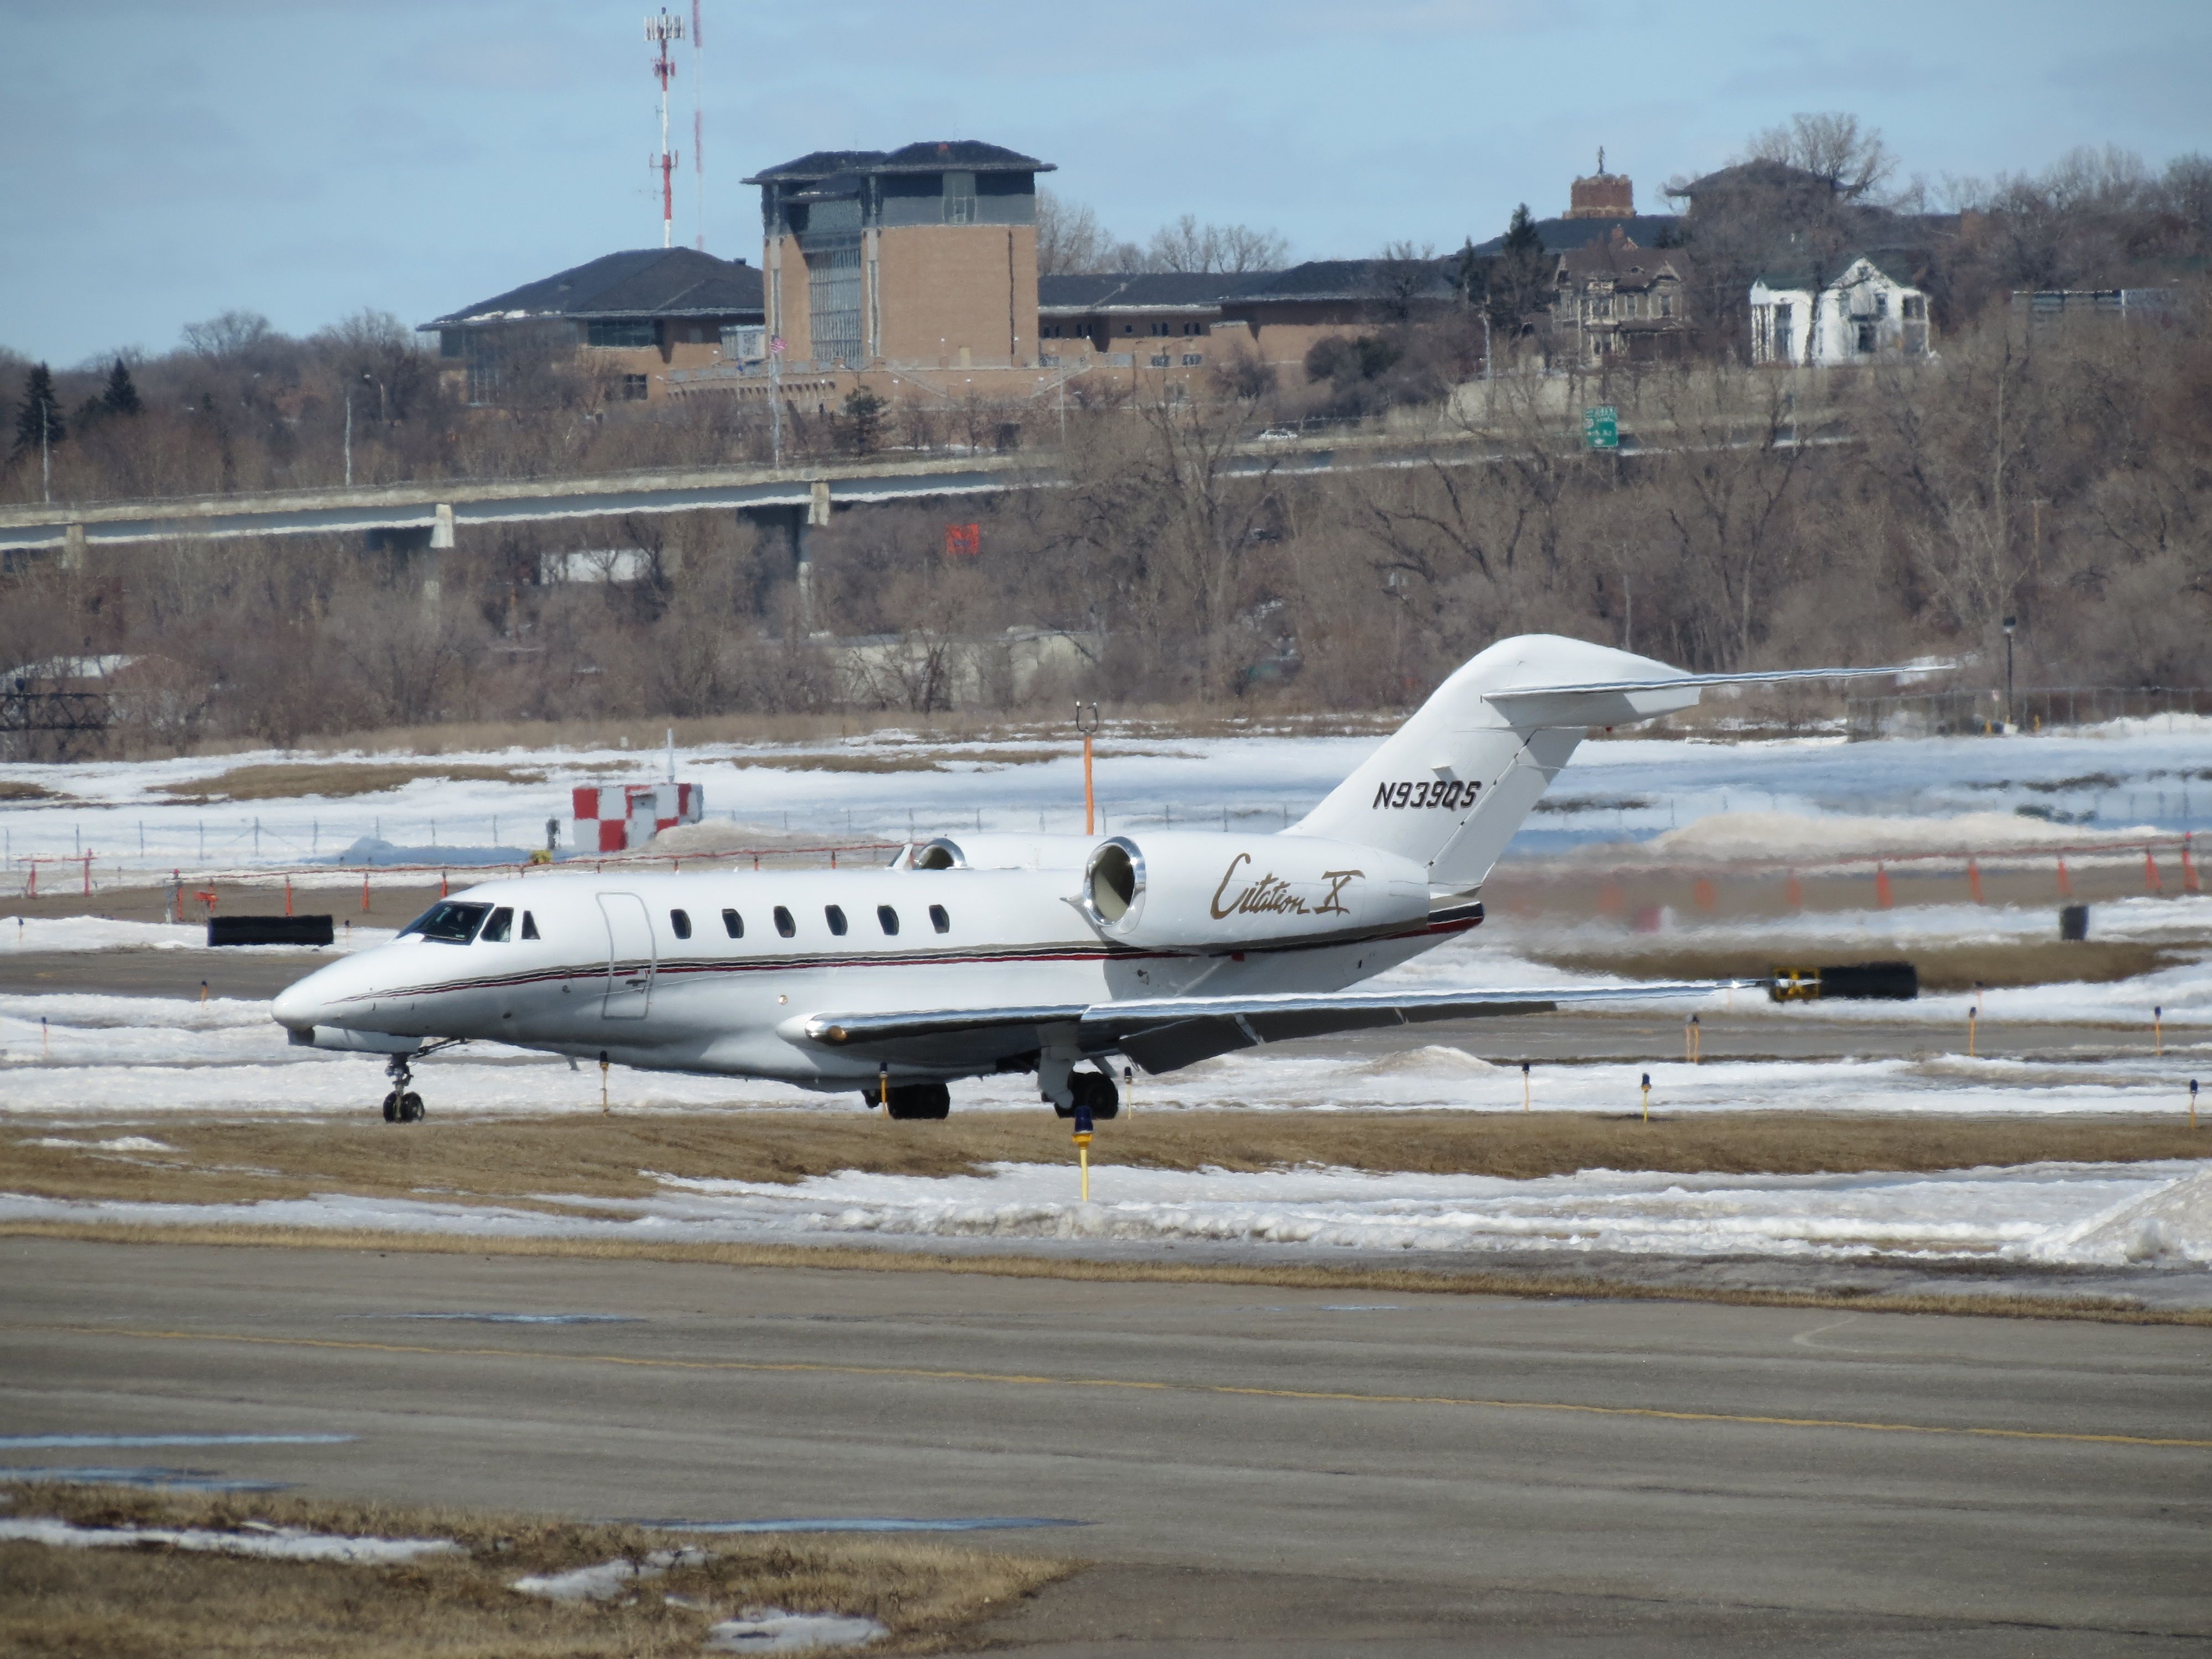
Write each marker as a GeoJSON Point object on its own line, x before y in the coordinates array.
{"type": "Point", "coordinates": [1018, 1379]}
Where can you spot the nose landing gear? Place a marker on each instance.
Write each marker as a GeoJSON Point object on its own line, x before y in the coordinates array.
{"type": "Point", "coordinates": [402, 1104]}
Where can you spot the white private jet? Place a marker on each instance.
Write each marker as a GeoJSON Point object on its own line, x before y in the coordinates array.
{"type": "Point", "coordinates": [987, 954]}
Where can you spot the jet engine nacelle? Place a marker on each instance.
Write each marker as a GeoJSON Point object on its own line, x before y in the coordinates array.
{"type": "Point", "coordinates": [1193, 890]}
{"type": "Point", "coordinates": [1001, 852]}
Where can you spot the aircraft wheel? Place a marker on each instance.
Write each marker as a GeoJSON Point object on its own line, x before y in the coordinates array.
{"type": "Point", "coordinates": [392, 1106]}
{"type": "Point", "coordinates": [925, 1102]}
{"type": "Point", "coordinates": [410, 1107]}
{"type": "Point", "coordinates": [1095, 1090]}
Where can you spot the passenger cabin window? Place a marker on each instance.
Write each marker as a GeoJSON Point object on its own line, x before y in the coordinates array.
{"type": "Point", "coordinates": [529, 925]}
{"type": "Point", "coordinates": [836, 918]}
{"type": "Point", "coordinates": [733, 923]}
{"type": "Point", "coordinates": [681, 921]}
{"type": "Point", "coordinates": [784, 923]}
{"type": "Point", "coordinates": [448, 923]}
{"type": "Point", "coordinates": [887, 919]}
{"type": "Point", "coordinates": [938, 920]}
{"type": "Point", "coordinates": [500, 926]}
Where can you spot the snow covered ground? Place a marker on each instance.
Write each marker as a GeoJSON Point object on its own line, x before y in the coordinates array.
{"type": "Point", "coordinates": [2039, 1215]}
{"type": "Point", "coordinates": [2093, 782]}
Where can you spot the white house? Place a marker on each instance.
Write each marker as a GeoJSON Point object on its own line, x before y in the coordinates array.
{"type": "Point", "coordinates": [1866, 312]}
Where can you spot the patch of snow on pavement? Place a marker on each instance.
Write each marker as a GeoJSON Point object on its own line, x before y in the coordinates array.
{"type": "Point", "coordinates": [771, 1630]}
{"type": "Point", "coordinates": [606, 1580]}
{"type": "Point", "coordinates": [273, 1543]}
{"type": "Point", "coordinates": [118, 1143]}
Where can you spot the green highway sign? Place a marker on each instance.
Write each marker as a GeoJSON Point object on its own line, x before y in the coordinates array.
{"type": "Point", "coordinates": [1602, 427]}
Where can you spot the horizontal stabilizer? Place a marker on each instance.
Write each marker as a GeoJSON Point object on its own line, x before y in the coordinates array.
{"type": "Point", "coordinates": [1623, 703]}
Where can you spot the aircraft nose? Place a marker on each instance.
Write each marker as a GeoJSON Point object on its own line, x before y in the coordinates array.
{"type": "Point", "coordinates": [298, 1004]}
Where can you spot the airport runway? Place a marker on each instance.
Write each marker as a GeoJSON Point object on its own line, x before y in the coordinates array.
{"type": "Point", "coordinates": [1266, 1471]}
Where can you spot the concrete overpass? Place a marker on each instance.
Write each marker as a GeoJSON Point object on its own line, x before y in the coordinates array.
{"type": "Point", "coordinates": [428, 515]}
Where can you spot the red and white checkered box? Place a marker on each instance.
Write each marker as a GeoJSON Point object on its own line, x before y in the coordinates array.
{"type": "Point", "coordinates": [620, 818]}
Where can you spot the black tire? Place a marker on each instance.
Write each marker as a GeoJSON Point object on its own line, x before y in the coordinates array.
{"type": "Point", "coordinates": [392, 1106]}
{"type": "Point", "coordinates": [1095, 1090]}
{"type": "Point", "coordinates": [410, 1107]}
{"type": "Point", "coordinates": [921, 1102]}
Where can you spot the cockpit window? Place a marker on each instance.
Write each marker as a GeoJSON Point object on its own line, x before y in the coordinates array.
{"type": "Point", "coordinates": [500, 926]}
{"type": "Point", "coordinates": [448, 923]}
{"type": "Point", "coordinates": [529, 925]}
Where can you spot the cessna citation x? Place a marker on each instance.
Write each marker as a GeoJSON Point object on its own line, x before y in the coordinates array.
{"type": "Point", "coordinates": [994, 953]}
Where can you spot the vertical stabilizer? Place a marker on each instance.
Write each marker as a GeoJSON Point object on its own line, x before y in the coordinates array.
{"type": "Point", "coordinates": [1452, 785]}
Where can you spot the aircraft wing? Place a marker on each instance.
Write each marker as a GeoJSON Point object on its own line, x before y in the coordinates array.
{"type": "Point", "coordinates": [1164, 1033]}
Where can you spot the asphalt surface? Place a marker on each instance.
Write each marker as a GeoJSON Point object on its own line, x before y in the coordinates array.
{"type": "Point", "coordinates": [1593, 1035]}
{"type": "Point", "coordinates": [1285, 1473]}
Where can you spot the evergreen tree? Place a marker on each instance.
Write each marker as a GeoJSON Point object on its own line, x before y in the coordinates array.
{"type": "Point", "coordinates": [1521, 235]}
{"type": "Point", "coordinates": [121, 397]}
{"type": "Point", "coordinates": [1519, 278]}
{"type": "Point", "coordinates": [39, 420]}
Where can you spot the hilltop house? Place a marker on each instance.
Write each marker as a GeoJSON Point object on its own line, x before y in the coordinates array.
{"type": "Point", "coordinates": [1871, 307]}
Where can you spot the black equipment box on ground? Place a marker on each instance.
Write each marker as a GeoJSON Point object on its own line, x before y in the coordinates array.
{"type": "Point", "coordinates": [1862, 982]}
{"type": "Point", "coordinates": [269, 930]}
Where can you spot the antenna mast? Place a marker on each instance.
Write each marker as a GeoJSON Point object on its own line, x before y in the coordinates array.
{"type": "Point", "coordinates": [662, 29]}
{"type": "Point", "coordinates": [699, 128]}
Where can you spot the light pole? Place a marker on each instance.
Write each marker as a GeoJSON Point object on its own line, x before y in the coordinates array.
{"type": "Point", "coordinates": [2010, 624]}
{"type": "Point", "coordinates": [348, 435]}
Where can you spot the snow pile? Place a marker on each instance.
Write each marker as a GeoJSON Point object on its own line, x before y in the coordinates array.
{"type": "Point", "coordinates": [1733, 836]}
{"type": "Point", "coordinates": [608, 1579]}
{"type": "Point", "coordinates": [271, 1543]}
{"type": "Point", "coordinates": [711, 835]}
{"type": "Point", "coordinates": [2079, 1214]}
{"type": "Point", "coordinates": [771, 1630]}
{"type": "Point", "coordinates": [2056, 1214]}
{"type": "Point", "coordinates": [2170, 1224]}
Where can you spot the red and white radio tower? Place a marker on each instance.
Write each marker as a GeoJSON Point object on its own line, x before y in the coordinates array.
{"type": "Point", "coordinates": [699, 128]}
{"type": "Point", "coordinates": [662, 29]}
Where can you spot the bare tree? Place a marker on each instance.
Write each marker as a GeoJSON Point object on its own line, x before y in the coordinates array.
{"type": "Point", "coordinates": [1852, 161]}
{"type": "Point", "coordinates": [1187, 245]}
{"type": "Point", "coordinates": [1069, 240]}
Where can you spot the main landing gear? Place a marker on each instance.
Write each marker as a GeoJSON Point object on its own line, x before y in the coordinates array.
{"type": "Point", "coordinates": [1094, 1089]}
{"type": "Point", "coordinates": [910, 1100]}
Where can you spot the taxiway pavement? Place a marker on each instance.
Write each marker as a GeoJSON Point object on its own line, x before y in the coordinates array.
{"type": "Point", "coordinates": [1278, 1472]}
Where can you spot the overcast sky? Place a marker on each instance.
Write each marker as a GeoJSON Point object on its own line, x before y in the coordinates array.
{"type": "Point", "coordinates": [164, 161]}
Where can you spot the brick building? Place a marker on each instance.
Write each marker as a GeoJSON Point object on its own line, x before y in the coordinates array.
{"type": "Point", "coordinates": [922, 257]}
{"type": "Point", "coordinates": [633, 317]}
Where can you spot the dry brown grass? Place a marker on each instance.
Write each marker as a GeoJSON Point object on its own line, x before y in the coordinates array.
{"type": "Point", "coordinates": [282, 781]}
{"type": "Point", "coordinates": [12, 790]}
{"type": "Point", "coordinates": [156, 1599]}
{"type": "Point", "coordinates": [1996, 1303]}
{"type": "Point", "coordinates": [510, 1160]}
{"type": "Point", "coordinates": [1944, 967]}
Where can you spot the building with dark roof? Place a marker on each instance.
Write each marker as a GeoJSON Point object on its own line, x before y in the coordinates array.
{"type": "Point", "coordinates": [1157, 313]}
{"type": "Point", "coordinates": [923, 257]}
{"type": "Point", "coordinates": [635, 315]}
{"type": "Point", "coordinates": [1597, 206]}
{"type": "Point", "coordinates": [1613, 301]}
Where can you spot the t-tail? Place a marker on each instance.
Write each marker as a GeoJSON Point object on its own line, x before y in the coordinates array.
{"type": "Point", "coordinates": [1451, 786]}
